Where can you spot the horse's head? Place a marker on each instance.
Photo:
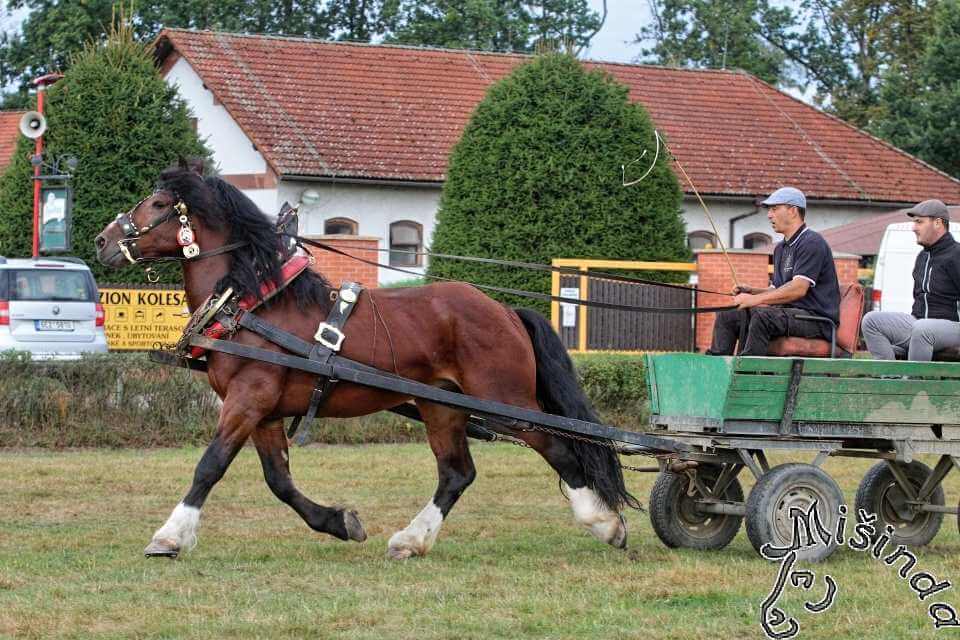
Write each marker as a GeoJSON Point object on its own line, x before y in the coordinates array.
{"type": "Point", "coordinates": [158, 226]}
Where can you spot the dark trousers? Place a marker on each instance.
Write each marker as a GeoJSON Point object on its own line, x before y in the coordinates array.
{"type": "Point", "coordinates": [755, 328]}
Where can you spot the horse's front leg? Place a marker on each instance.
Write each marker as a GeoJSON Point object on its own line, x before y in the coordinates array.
{"type": "Point", "coordinates": [245, 406]}
{"type": "Point", "coordinates": [271, 444]}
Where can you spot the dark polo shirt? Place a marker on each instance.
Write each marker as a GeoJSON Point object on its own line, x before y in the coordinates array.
{"type": "Point", "coordinates": [807, 255]}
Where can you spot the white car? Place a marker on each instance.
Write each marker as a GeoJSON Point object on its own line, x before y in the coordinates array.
{"type": "Point", "coordinates": [49, 307]}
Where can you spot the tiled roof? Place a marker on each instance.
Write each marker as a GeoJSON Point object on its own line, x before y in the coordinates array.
{"type": "Point", "coordinates": [863, 236]}
{"type": "Point", "coordinates": [9, 135]}
{"type": "Point", "coordinates": [318, 108]}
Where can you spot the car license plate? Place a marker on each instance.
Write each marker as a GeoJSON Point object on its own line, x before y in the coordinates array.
{"type": "Point", "coordinates": [54, 325]}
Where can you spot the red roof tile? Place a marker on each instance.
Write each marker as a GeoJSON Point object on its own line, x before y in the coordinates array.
{"type": "Point", "coordinates": [318, 108]}
{"type": "Point", "coordinates": [9, 135]}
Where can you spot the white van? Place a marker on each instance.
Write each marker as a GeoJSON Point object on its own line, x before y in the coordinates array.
{"type": "Point", "coordinates": [893, 275]}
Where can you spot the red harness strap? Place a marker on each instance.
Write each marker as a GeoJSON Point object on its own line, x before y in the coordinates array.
{"type": "Point", "coordinates": [288, 273]}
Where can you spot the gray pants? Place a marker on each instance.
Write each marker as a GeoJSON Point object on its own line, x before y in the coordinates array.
{"type": "Point", "coordinates": [889, 334]}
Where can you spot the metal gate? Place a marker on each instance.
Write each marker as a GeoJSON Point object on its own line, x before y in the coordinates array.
{"type": "Point", "coordinates": [611, 330]}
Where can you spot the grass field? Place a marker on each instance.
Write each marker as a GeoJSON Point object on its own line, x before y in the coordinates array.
{"type": "Point", "coordinates": [509, 563]}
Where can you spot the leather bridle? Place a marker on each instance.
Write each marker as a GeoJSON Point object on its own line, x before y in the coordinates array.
{"type": "Point", "coordinates": [129, 243]}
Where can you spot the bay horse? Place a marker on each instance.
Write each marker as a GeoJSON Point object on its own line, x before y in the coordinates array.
{"type": "Point", "coordinates": [447, 334]}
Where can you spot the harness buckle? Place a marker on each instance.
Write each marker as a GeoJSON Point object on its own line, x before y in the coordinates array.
{"type": "Point", "coordinates": [325, 330]}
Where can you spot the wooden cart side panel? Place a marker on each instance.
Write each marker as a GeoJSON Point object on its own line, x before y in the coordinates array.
{"type": "Point", "coordinates": [650, 369]}
{"type": "Point", "coordinates": [878, 368]}
{"type": "Point", "coordinates": [688, 385]}
{"type": "Point", "coordinates": [918, 408]}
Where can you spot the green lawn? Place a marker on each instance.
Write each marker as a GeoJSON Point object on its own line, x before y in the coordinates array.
{"type": "Point", "coordinates": [509, 563]}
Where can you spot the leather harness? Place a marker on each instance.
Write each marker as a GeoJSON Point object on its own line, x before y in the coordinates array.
{"type": "Point", "coordinates": [221, 315]}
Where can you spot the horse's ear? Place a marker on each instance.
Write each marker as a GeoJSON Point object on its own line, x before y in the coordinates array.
{"type": "Point", "coordinates": [193, 165]}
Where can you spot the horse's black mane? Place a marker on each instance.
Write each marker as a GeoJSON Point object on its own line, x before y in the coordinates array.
{"type": "Point", "coordinates": [221, 205]}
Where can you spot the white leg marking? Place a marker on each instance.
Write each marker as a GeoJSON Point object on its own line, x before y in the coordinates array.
{"type": "Point", "coordinates": [418, 538]}
{"type": "Point", "coordinates": [601, 521]}
{"type": "Point", "coordinates": [180, 528]}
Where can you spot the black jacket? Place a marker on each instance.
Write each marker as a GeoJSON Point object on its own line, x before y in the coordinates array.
{"type": "Point", "coordinates": [936, 281]}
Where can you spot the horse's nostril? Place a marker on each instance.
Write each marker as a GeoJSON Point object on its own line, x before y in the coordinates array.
{"type": "Point", "coordinates": [100, 242]}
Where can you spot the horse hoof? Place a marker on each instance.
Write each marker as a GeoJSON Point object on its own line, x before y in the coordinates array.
{"type": "Point", "coordinates": [163, 548]}
{"type": "Point", "coordinates": [620, 540]}
{"type": "Point", "coordinates": [399, 553]}
{"type": "Point", "coordinates": [354, 528]}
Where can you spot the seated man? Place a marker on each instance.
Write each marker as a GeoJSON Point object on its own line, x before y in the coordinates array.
{"type": "Point", "coordinates": [934, 323]}
{"type": "Point", "coordinates": [804, 284]}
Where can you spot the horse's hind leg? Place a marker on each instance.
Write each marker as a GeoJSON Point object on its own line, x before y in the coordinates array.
{"type": "Point", "coordinates": [601, 521]}
{"type": "Point", "coordinates": [271, 443]}
{"type": "Point", "coordinates": [446, 432]}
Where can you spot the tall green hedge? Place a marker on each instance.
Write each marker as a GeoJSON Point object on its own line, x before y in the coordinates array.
{"type": "Point", "coordinates": [537, 176]}
{"type": "Point", "coordinates": [124, 124]}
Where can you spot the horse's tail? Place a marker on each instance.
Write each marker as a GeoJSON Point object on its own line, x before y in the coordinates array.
{"type": "Point", "coordinates": [559, 393]}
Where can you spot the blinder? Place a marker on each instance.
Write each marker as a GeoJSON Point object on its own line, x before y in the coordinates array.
{"type": "Point", "coordinates": [186, 237]}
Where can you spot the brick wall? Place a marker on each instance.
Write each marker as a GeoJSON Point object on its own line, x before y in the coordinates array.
{"type": "Point", "coordinates": [713, 273]}
{"type": "Point", "coordinates": [847, 266]}
{"type": "Point", "coordinates": [337, 268]}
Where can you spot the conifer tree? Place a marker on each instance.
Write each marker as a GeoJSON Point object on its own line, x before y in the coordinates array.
{"type": "Point", "coordinates": [124, 124]}
{"type": "Point", "coordinates": [536, 176]}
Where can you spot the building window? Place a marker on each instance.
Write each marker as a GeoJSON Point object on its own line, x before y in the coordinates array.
{"type": "Point", "coordinates": [340, 227]}
{"type": "Point", "coordinates": [701, 240]}
{"type": "Point", "coordinates": [405, 237]}
{"type": "Point", "coordinates": [757, 241]}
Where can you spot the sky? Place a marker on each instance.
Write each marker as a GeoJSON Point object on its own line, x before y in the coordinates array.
{"type": "Point", "coordinates": [624, 19]}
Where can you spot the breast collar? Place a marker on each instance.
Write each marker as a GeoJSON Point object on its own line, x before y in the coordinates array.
{"type": "Point", "coordinates": [202, 321]}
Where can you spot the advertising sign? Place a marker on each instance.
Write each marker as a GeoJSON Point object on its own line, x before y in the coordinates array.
{"type": "Point", "coordinates": [143, 319]}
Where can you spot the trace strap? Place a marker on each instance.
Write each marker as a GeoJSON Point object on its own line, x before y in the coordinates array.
{"type": "Point", "coordinates": [519, 292]}
{"type": "Point", "coordinates": [329, 338]}
{"type": "Point", "coordinates": [534, 266]}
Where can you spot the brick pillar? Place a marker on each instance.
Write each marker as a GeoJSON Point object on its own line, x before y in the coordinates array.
{"type": "Point", "coordinates": [337, 268]}
{"type": "Point", "coordinates": [847, 266]}
{"type": "Point", "coordinates": [713, 273]}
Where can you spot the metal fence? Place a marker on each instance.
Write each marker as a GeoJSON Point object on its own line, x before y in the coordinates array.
{"type": "Point", "coordinates": [591, 329]}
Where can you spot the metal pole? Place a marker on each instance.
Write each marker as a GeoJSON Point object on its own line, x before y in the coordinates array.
{"type": "Point", "coordinates": [37, 153]}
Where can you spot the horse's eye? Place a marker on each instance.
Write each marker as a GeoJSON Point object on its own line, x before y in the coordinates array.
{"type": "Point", "coordinates": [157, 204]}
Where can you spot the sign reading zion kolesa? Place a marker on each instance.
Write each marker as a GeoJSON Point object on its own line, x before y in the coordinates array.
{"type": "Point", "coordinates": [143, 319]}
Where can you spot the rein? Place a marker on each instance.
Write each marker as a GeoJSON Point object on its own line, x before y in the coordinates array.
{"type": "Point", "coordinates": [534, 266]}
{"type": "Point", "coordinates": [519, 292]}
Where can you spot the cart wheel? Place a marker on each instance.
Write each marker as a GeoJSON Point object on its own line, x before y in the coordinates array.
{"type": "Point", "coordinates": [679, 523]}
{"type": "Point", "coordinates": [783, 489]}
{"type": "Point", "coordinates": [879, 493]}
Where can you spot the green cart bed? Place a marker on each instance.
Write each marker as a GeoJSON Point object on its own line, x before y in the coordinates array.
{"type": "Point", "coordinates": [732, 409]}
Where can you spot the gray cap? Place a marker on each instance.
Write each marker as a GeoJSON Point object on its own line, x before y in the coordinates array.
{"type": "Point", "coordinates": [930, 209]}
{"type": "Point", "coordinates": [786, 195]}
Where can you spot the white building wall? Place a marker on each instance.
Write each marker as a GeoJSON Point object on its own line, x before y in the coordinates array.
{"type": "Point", "coordinates": [374, 207]}
{"type": "Point", "coordinates": [819, 217]}
{"type": "Point", "coordinates": [233, 152]}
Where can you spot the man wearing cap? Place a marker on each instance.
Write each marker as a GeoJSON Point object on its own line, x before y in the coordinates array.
{"type": "Point", "coordinates": [934, 323]}
{"type": "Point", "coordinates": [804, 284]}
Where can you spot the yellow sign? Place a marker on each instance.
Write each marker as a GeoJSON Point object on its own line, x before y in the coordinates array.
{"type": "Point", "coordinates": [143, 319]}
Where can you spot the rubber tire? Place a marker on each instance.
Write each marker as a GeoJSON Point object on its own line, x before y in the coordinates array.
{"type": "Point", "coordinates": [667, 512]}
{"type": "Point", "coordinates": [873, 488]}
{"type": "Point", "coordinates": [780, 483]}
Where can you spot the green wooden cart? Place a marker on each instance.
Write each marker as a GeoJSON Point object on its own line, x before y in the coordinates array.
{"type": "Point", "coordinates": [731, 410]}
